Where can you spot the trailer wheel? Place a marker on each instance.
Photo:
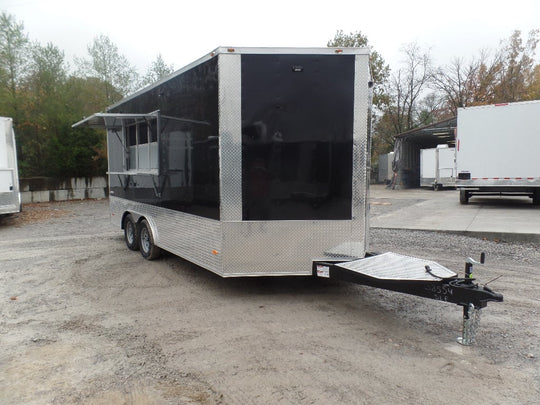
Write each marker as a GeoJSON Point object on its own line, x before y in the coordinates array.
{"type": "Point", "coordinates": [146, 242]}
{"type": "Point", "coordinates": [464, 196]}
{"type": "Point", "coordinates": [130, 233]}
{"type": "Point", "coordinates": [536, 197]}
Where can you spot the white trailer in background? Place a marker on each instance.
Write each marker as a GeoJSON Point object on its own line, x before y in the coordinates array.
{"type": "Point", "coordinates": [385, 173]}
{"type": "Point", "coordinates": [10, 198]}
{"type": "Point", "coordinates": [498, 150]}
{"type": "Point", "coordinates": [438, 167]}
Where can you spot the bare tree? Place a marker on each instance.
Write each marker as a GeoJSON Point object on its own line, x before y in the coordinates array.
{"type": "Point", "coordinates": [407, 87]}
{"type": "Point", "coordinates": [454, 82]}
{"type": "Point", "coordinates": [462, 84]}
{"type": "Point", "coordinates": [509, 75]}
{"type": "Point", "coordinates": [107, 64]}
{"type": "Point", "coordinates": [484, 83]}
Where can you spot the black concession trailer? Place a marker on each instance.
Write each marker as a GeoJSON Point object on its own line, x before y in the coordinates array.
{"type": "Point", "coordinates": [255, 162]}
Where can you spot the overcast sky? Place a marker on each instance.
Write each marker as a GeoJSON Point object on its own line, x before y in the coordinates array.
{"type": "Point", "coordinates": [183, 31]}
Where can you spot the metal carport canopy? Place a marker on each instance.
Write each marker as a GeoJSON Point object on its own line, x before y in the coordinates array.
{"type": "Point", "coordinates": [408, 145]}
{"type": "Point", "coordinates": [441, 132]}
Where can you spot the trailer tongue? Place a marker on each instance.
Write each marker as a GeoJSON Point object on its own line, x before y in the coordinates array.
{"type": "Point", "coordinates": [411, 275]}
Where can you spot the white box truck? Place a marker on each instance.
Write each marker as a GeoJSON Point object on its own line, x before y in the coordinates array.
{"type": "Point", "coordinates": [497, 150]}
{"type": "Point", "coordinates": [10, 197]}
{"type": "Point", "coordinates": [438, 167]}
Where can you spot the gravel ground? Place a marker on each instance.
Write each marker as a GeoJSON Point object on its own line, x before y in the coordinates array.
{"type": "Point", "coordinates": [85, 320]}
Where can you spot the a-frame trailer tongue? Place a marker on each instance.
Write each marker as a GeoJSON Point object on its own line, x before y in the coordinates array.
{"type": "Point", "coordinates": [424, 278]}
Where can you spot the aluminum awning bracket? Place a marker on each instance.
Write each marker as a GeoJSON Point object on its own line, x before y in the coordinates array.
{"type": "Point", "coordinates": [158, 188]}
{"type": "Point", "coordinates": [122, 184]}
{"type": "Point", "coordinates": [113, 120]}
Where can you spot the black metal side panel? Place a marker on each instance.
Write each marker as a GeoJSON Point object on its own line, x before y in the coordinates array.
{"type": "Point", "coordinates": [188, 179]}
{"type": "Point", "coordinates": [297, 133]}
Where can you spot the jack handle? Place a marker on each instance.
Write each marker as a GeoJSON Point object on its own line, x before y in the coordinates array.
{"type": "Point", "coordinates": [469, 265]}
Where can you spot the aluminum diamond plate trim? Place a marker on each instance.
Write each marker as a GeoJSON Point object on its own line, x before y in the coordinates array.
{"type": "Point", "coordinates": [361, 151]}
{"type": "Point", "coordinates": [393, 266]}
{"type": "Point", "coordinates": [230, 134]}
{"type": "Point", "coordinates": [283, 247]}
{"type": "Point", "coordinates": [194, 238]}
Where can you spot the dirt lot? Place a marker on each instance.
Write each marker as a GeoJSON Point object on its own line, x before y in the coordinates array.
{"type": "Point", "coordinates": [85, 320]}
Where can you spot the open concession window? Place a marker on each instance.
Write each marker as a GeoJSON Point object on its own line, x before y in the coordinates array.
{"type": "Point", "coordinates": [138, 134]}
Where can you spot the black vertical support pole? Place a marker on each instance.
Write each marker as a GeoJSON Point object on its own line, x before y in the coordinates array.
{"type": "Point", "coordinates": [468, 276]}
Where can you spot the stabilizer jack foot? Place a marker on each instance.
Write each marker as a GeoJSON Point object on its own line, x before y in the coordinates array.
{"type": "Point", "coordinates": [471, 320]}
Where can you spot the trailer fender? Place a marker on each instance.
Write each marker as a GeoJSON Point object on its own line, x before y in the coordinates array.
{"type": "Point", "coordinates": [152, 224]}
{"type": "Point", "coordinates": [137, 218]}
{"type": "Point", "coordinates": [123, 220]}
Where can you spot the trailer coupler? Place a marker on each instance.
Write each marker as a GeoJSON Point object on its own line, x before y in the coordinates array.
{"type": "Point", "coordinates": [423, 278]}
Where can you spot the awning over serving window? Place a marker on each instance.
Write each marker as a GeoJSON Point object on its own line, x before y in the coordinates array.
{"type": "Point", "coordinates": [112, 120]}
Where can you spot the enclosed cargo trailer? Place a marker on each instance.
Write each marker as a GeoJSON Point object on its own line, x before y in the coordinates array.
{"type": "Point", "coordinates": [438, 167]}
{"type": "Point", "coordinates": [497, 150]}
{"type": "Point", "coordinates": [257, 155]}
{"type": "Point", "coordinates": [255, 162]}
{"type": "Point", "coordinates": [10, 197]}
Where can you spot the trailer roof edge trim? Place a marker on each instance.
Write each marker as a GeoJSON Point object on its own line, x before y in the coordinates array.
{"type": "Point", "coordinates": [498, 105]}
{"type": "Point", "coordinates": [110, 120]}
{"type": "Point", "coordinates": [228, 50]}
{"type": "Point", "coordinates": [292, 50]}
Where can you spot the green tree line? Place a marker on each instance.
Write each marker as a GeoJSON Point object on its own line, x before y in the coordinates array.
{"type": "Point", "coordinates": [45, 95]}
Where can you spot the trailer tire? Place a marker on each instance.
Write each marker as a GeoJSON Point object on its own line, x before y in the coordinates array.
{"type": "Point", "coordinates": [464, 196]}
{"type": "Point", "coordinates": [146, 242]}
{"type": "Point", "coordinates": [536, 197]}
{"type": "Point", "coordinates": [130, 233]}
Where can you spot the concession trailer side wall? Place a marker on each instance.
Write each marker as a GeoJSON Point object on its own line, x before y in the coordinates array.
{"type": "Point", "coordinates": [250, 161]}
